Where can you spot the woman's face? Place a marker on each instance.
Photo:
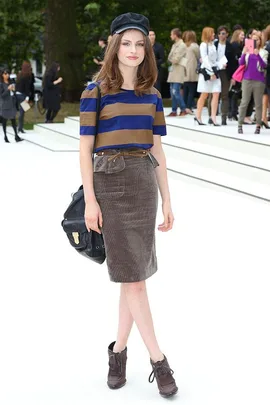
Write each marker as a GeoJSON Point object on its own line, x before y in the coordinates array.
{"type": "Point", "coordinates": [257, 39]}
{"type": "Point", "coordinates": [213, 36]}
{"type": "Point", "coordinates": [5, 76]}
{"type": "Point", "coordinates": [132, 48]}
{"type": "Point", "coordinates": [242, 36]}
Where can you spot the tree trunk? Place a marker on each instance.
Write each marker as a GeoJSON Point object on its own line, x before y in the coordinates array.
{"type": "Point", "coordinates": [62, 45]}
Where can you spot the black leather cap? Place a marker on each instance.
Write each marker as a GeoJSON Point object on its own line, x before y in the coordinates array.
{"type": "Point", "coordinates": [129, 21]}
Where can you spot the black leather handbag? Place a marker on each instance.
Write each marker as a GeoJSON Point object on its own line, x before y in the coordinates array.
{"type": "Point", "coordinates": [89, 244]}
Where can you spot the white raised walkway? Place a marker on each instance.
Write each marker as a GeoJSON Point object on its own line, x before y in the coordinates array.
{"type": "Point", "coordinates": [210, 297]}
{"type": "Point", "coordinates": [215, 155]}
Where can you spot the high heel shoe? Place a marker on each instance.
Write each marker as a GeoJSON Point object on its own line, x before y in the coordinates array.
{"type": "Point", "coordinates": [257, 130]}
{"type": "Point", "coordinates": [263, 124]}
{"type": "Point", "coordinates": [240, 129]}
{"type": "Point", "coordinates": [6, 139]}
{"type": "Point", "coordinates": [211, 122]}
{"type": "Point", "coordinates": [18, 139]}
{"type": "Point", "coordinates": [198, 121]}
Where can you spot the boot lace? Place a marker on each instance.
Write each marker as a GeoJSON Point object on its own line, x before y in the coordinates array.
{"type": "Point", "coordinates": [158, 370]}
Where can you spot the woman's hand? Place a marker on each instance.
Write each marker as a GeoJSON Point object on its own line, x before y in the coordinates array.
{"type": "Point", "coordinates": [168, 218]}
{"type": "Point", "coordinates": [93, 217]}
{"type": "Point", "coordinates": [245, 50]}
{"type": "Point", "coordinates": [256, 51]}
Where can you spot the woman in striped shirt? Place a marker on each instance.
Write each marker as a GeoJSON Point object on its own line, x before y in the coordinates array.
{"type": "Point", "coordinates": [120, 188]}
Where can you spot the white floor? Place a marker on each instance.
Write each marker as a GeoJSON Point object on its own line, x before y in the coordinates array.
{"type": "Point", "coordinates": [210, 297]}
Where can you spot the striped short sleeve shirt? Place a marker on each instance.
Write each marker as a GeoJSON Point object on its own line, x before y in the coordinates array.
{"type": "Point", "coordinates": [126, 120]}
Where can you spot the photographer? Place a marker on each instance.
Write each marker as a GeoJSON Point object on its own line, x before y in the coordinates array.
{"type": "Point", "coordinates": [8, 104]}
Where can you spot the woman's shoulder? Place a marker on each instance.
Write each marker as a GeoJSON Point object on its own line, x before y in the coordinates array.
{"type": "Point", "coordinates": [91, 91]}
{"type": "Point", "coordinates": [154, 91]}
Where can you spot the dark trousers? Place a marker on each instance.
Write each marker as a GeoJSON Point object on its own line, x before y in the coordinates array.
{"type": "Point", "coordinates": [13, 123]}
{"type": "Point", "coordinates": [20, 98]}
{"type": "Point", "coordinates": [50, 115]}
{"type": "Point", "coordinates": [190, 89]}
{"type": "Point", "coordinates": [224, 95]}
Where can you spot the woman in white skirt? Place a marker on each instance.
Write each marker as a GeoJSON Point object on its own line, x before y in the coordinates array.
{"type": "Point", "coordinates": [209, 81]}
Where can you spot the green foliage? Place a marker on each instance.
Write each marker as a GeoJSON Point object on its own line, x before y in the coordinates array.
{"type": "Point", "coordinates": [21, 23]}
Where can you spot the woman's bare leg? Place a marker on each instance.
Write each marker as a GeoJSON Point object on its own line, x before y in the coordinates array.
{"type": "Point", "coordinates": [124, 324]}
{"type": "Point", "coordinates": [214, 106]}
{"type": "Point", "coordinates": [265, 106]}
{"type": "Point", "coordinates": [200, 105]}
{"type": "Point", "coordinates": [138, 303]}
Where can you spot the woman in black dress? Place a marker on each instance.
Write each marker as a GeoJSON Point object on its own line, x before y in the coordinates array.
{"type": "Point", "coordinates": [8, 104]}
{"type": "Point", "coordinates": [51, 92]}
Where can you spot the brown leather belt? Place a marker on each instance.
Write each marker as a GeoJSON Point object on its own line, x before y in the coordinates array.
{"type": "Point", "coordinates": [113, 156]}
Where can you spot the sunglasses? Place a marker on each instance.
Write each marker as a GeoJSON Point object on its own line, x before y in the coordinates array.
{"type": "Point", "coordinates": [222, 33]}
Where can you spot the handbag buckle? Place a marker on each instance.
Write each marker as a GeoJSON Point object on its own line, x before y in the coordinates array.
{"type": "Point", "coordinates": [76, 237]}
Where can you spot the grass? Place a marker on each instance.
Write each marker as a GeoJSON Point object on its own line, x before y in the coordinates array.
{"type": "Point", "coordinates": [33, 116]}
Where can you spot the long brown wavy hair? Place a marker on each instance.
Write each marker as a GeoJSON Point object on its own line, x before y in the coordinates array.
{"type": "Point", "coordinates": [26, 70]}
{"type": "Point", "coordinates": [110, 76]}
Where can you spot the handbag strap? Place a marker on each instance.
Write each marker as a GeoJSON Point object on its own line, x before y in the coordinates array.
{"type": "Point", "coordinates": [97, 113]}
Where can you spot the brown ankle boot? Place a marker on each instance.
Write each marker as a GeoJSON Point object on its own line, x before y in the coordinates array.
{"type": "Point", "coordinates": [117, 370]}
{"type": "Point", "coordinates": [164, 376]}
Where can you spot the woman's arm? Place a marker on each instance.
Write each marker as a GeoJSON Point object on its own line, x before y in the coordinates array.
{"type": "Point", "coordinates": [179, 53]}
{"type": "Point", "coordinates": [88, 106]}
{"type": "Point", "coordinates": [4, 92]}
{"type": "Point", "coordinates": [263, 61]}
{"type": "Point", "coordinates": [162, 180]}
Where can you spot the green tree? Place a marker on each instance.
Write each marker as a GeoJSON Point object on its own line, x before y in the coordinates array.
{"type": "Point", "coordinates": [62, 44]}
{"type": "Point", "coordinates": [21, 31]}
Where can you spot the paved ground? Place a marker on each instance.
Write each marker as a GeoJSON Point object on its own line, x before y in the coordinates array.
{"type": "Point", "coordinates": [210, 297]}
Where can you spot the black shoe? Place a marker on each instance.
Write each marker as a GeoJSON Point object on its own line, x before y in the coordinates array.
{"type": "Point", "coordinates": [224, 121]}
{"type": "Point", "coordinates": [257, 130]}
{"type": "Point", "coordinates": [198, 122]}
{"type": "Point", "coordinates": [6, 139]}
{"type": "Point", "coordinates": [240, 129]}
{"type": "Point", "coordinates": [211, 122]}
{"type": "Point", "coordinates": [18, 139]}
{"type": "Point", "coordinates": [264, 124]}
{"type": "Point", "coordinates": [22, 131]}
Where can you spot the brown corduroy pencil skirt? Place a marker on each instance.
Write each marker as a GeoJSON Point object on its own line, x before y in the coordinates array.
{"type": "Point", "coordinates": [126, 190]}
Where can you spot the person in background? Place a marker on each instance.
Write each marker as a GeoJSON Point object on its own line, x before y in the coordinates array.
{"type": "Point", "coordinates": [23, 90]}
{"type": "Point", "coordinates": [237, 42]}
{"type": "Point", "coordinates": [224, 48]}
{"type": "Point", "coordinates": [266, 96]}
{"type": "Point", "coordinates": [248, 120]}
{"type": "Point", "coordinates": [102, 42]}
{"type": "Point", "coordinates": [32, 89]}
{"type": "Point", "coordinates": [8, 104]}
{"type": "Point", "coordinates": [253, 82]}
{"type": "Point", "coordinates": [51, 92]}
{"type": "Point", "coordinates": [177, 57]}
{"type": "Point", "coordinates": [209, 81]}
{"type": "Point", "coordinates": [191, 77]}
{"type": "Point", "coordinates": [159, 55]}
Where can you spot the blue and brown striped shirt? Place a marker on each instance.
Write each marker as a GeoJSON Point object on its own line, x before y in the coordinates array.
{"type": "Point", "coordinates": [126, 120]}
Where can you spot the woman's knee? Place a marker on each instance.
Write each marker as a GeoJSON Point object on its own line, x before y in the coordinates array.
{"type": "Point", "coordinates": [134, 288]}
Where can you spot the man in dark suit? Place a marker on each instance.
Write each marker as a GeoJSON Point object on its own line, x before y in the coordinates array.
{"type": "Point", "coordinates": [224, 48]}
{"type": "Point", "coordinates": [159, 54]}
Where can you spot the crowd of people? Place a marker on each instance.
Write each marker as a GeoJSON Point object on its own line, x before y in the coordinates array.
{"type": "Point", "coordinates": [209, 69]}
{"type": "Point", "coordinates": [14, 93]}
{"type": "Point", "coordinates": [206, 73]}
